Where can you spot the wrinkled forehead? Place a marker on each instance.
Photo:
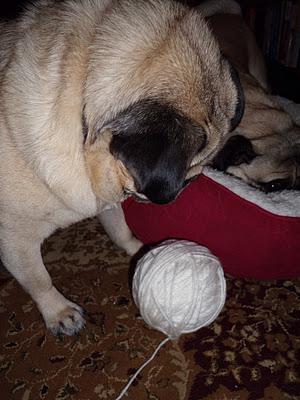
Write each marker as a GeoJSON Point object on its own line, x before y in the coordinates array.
{"type": "Point", "coordinates": [150, 129]}
{"type": "Point", "coordinates": [265, 168]}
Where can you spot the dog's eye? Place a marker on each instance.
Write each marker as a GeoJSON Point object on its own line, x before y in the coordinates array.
{"type": "Point", "coordinates": [138, 196]}
{"type": "Point", "coordinates": [128, 192]}
{"type": "Point", "coordinates": [274, 186]}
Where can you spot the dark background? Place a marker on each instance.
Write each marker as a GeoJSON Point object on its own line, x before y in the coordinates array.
{"type": "Point", "coordinates": [284, 81]}
{"type": "Point", "coordinates": [10, 8]}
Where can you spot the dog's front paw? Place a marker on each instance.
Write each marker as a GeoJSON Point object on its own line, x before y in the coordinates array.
{"type": "Point", "coordinates": [69, 321]}
{"type": "Point", "coordinates": [132, 246]}
{"type": "Point", "coordinates": [61, 315]}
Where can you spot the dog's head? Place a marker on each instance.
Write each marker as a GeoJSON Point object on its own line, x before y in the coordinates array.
{"type": "Point", "coordinates": [275, 168]}
{"type": "Point", "coordinates": [157, 145]}
{"type": "Point", "coordinates": [160, 112]}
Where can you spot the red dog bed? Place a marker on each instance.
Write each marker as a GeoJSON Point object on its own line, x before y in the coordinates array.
{"type": "Point", "coordinates": [254, 234]}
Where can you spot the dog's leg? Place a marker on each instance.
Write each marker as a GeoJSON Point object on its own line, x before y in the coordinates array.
{"type": "Point", "coordinates": [114, 223]}
{"type": "Point", "coordinates": [22, 257]}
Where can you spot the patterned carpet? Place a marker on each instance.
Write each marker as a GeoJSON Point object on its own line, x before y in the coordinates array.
{"type": "Point", "coordinates": [251, 352]}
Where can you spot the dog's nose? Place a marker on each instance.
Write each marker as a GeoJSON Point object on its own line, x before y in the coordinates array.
{"type": "Point", "coordinates": [162, 198]}
{"type": "Point", "coordinates": [159, 192]}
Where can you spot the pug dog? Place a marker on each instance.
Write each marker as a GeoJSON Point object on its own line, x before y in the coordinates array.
{"type": "Point", "coordinates": [264, 150]}
{"type": "Point", "coordinates": [100, 100]}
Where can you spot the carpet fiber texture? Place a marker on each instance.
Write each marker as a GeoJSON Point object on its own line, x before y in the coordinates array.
{"type": "Point", "coordinates": [250, 352]}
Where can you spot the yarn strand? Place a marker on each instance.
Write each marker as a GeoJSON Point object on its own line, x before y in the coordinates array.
{"type": "Point", "coordinates": [142, 367]}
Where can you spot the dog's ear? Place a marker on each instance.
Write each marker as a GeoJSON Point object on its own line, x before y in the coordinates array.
{"type": "Point", "coordinates": [297, 160]}
{"type": "Point", "coordinates": [297, 152]}
{"type": "Point", "coordinates": [240, 103]}
{"type": "Point", "coordinates": [237, 150]}
{"type": "Point", "coordinates": [156, 145]}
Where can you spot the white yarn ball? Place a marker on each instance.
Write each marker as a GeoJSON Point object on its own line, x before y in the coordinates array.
{"type": "Point", "coordinates": [179, 287]}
